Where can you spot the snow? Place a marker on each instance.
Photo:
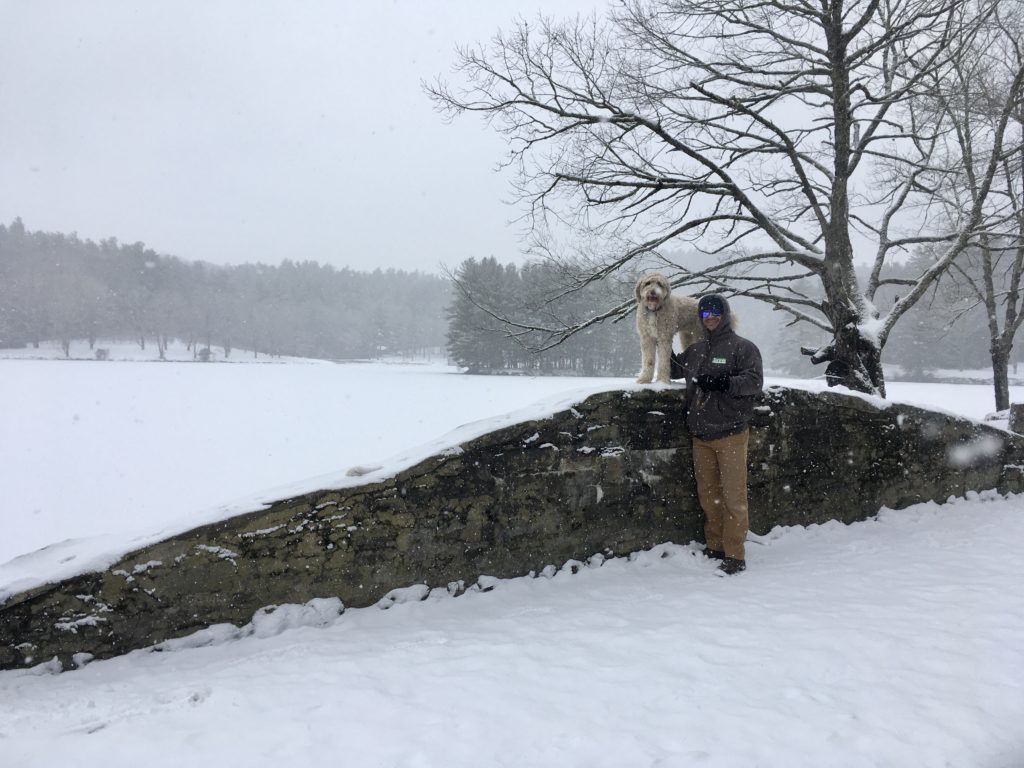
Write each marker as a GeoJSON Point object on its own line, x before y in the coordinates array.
{"type": "Point", "coordinates": [102, 458]}
{"type": "Point", "coordinates": [130, 351]}
{"type": "Point", "coordinates": [984, 447]}
{"type": "Point", "coordinates": [896, 641]}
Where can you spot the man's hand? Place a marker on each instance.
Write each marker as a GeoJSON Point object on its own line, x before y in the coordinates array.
{"type": "Point", "coordinates": [717, 383]}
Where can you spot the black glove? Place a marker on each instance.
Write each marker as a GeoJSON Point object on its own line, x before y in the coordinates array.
{"type": "Point", "coordinates": [717, 383]}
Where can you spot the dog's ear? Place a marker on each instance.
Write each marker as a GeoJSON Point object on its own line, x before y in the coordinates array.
{"type": "Point", "coordinates": [636, 289]}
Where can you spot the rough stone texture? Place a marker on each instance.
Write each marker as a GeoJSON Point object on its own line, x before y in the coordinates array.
{"type": "Point", "coordinates": [611, 476]}
{"type": "Point", "coordinates": [1017, 417]}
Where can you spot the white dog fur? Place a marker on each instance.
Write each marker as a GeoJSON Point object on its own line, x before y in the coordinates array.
{"type": "Point", "coordinates": [659, 317]}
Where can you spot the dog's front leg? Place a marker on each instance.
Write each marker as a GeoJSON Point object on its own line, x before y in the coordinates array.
{"type": "Point", "coordinates": [647, 348]}
{"type": "Point", "coordinates": [664, 361]}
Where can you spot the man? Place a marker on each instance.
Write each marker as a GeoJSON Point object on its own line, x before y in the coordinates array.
{"type": "Point", "coordinates": [723, 373]}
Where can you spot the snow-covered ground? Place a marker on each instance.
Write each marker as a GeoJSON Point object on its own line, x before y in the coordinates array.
{"type": "Point", "coordinates": [894, 642]}
{"type": "Point", "coordinates": [107, 350]}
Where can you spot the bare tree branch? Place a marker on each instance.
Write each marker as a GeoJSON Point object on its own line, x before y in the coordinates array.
{"type": "Point", "coordinates": [765, 131]}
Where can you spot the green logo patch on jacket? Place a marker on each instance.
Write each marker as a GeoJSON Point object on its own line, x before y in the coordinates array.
{"type": "Point", "coordinates": [718, 360]}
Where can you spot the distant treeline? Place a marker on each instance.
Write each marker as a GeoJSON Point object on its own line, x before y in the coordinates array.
{"type": "Point", "coordinates": [59, 287]}
{"type": "Point", "coordinates": [947, 330]}
{"type": "Point", "coordinates": [55, 286]}
{"type": "Point", "coordinates": [483, 344]}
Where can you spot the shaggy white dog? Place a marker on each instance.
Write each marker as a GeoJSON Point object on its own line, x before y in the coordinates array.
{"type": "Point", "coordinates": [659, 316]}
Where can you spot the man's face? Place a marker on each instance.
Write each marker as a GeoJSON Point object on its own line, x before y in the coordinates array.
{"type": "Point", "coordinates": [711, 322]}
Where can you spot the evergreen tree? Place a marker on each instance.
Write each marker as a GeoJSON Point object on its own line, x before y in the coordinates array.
{"type": "Point", "coordinates": [54, 286]}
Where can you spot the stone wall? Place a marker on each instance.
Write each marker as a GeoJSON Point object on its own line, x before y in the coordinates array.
{"type": "Point", "coordinates": [611, 475]}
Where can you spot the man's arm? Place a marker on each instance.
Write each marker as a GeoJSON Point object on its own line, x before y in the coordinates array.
{"type": "Point", "coordinates": [749, 377]}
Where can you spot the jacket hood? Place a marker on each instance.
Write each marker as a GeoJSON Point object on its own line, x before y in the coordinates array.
{"type": "Point", "coordinates": [716, 301]}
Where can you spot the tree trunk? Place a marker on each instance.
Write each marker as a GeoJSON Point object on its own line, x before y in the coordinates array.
{"type": "Point", "coordinates": [1001, 375]}
{"type": "Point", "coordinates": [854, 361]}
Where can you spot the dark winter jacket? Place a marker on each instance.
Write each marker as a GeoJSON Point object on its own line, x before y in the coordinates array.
{"type": "Point", "coordinates": [716, 414]}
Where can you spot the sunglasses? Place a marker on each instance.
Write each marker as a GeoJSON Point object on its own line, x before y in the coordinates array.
{"type": "Point", "coordinates": [713, 312]}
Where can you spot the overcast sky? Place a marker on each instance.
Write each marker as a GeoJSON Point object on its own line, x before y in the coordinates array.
{"type": "Point", "coordinates": [249, 130]}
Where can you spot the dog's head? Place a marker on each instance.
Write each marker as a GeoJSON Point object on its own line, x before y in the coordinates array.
{"type": "Point", "coordinates": [652, 290]}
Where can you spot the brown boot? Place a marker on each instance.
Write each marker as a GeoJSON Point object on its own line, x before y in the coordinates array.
{"type": "Point", "coordinates": [731, 565]}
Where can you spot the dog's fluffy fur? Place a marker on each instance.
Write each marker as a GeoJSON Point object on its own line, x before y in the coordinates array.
{"type": "Point", "coordinates": [659, 317]}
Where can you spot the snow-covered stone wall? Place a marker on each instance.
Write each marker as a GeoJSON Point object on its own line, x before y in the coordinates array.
{"type": "Point", "coordinates": [606, 477]}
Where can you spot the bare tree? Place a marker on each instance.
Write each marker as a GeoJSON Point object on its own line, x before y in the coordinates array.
{"type": "Point", "coordinates": [782, 135]}
{"type": "Point", "coordinates": [972, 102]}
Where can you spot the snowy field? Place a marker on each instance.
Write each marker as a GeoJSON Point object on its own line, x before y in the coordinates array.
{"type": "Point", "coordinates": [894, 642]}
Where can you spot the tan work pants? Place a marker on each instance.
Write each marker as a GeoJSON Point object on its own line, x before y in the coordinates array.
{"type": "Point", "coordinates": [720, 468]}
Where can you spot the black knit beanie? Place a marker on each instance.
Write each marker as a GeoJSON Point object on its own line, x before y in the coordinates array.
{"type": "Point", "coordinates": [713, 301]}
